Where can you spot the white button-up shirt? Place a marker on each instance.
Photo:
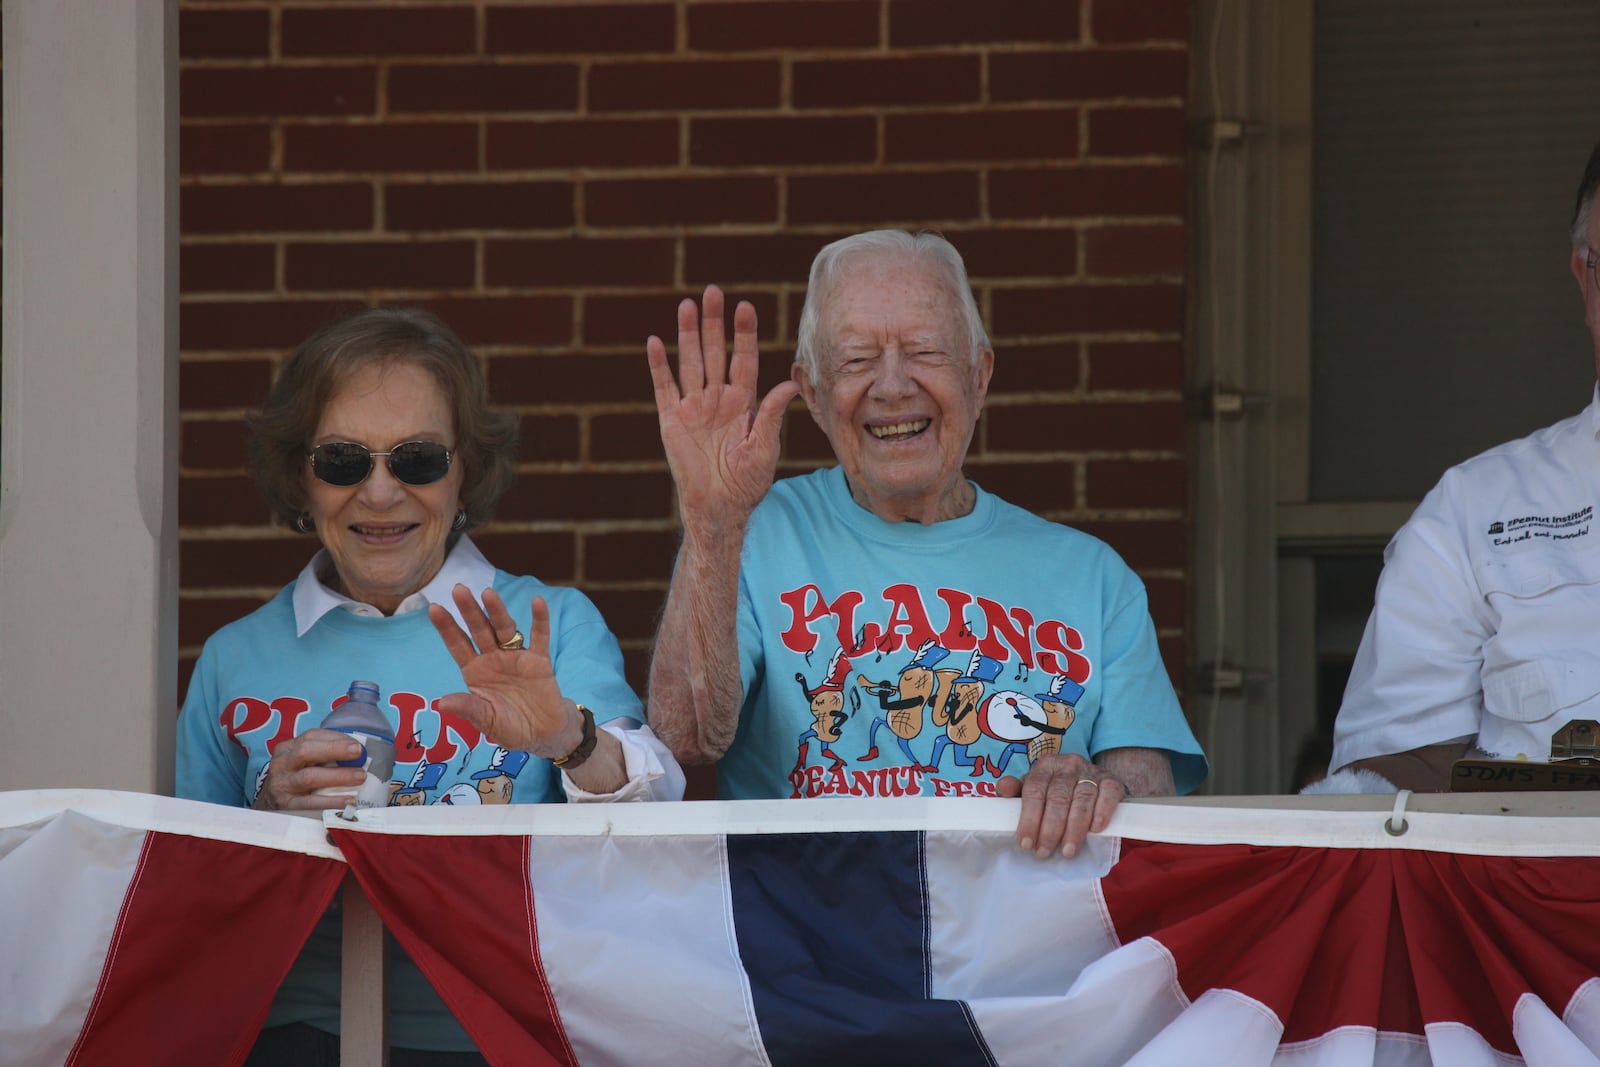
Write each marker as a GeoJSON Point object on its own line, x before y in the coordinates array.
{"type": "Point", "coordinates": [1486, 624]}
{"type": "Point", "coordinates": [653, 773]}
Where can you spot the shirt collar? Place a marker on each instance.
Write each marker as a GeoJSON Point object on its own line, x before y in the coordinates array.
{"type": "Point", "coordinates": [464, 564]}
{"type": "Point", "coordinates": [1594, 412]}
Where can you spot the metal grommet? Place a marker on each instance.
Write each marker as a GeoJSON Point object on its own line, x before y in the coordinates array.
{"type": "Point", "coordinates": [1395, 824]}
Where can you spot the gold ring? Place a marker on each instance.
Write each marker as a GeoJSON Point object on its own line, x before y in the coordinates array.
{"type": "Point", "coordinates": [1089, 781]}
{"type": "Point", "coordinates": [512, 643]}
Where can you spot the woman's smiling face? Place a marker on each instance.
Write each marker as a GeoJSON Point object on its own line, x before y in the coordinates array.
{"type": "Point", "coordinates": [387, 539]}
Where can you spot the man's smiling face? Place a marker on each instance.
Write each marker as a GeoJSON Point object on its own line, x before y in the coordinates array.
{"type": "Point", "coordinates": [898, 391]}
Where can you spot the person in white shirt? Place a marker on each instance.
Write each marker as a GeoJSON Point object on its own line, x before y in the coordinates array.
{"type": "Point", "coordinates": [1482, 638]}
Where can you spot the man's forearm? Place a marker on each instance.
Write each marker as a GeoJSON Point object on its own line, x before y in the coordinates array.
{"type": "Point", "coordinates": [1422, 770]}
{"type": "Point", "coordinates": [1144, 772]}
{"type": "Point", "coordinates": [695, 688]}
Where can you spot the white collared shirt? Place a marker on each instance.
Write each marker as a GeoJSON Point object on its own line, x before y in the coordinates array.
{"type": "Point", "coordinates": [1487, 611]}
{"type": "Point", "coordinates": [653, 773]}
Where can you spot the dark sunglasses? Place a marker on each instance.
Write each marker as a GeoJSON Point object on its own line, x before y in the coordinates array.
{"type": "Point", "coordinates": [345, 463]}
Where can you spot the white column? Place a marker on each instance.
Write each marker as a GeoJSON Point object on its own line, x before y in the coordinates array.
{"type": "Point", "coordinates": [89, 414]}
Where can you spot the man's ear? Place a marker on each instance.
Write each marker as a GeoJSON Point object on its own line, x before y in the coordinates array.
{"type": "Point", "coordinates": [1580, 266]}
{"type": "Point", "coordinates": [801, 376]}
{"type": "Point", "coordinates": [985, 370]}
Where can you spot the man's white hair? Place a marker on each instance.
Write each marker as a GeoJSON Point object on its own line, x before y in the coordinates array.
{"type": "Point", "coordinates": [917, 249]}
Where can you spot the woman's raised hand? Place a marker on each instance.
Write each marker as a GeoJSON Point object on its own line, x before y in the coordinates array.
{"type": "Point", "coordinates": [512, 695]}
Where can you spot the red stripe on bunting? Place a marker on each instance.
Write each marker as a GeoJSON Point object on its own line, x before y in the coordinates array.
{"type": "Point", "coordinates": [206, 933]}
{"type": "Point", "coordinates": [1392, 940]}
{"type": "Point", "coordinates": [410, 881]}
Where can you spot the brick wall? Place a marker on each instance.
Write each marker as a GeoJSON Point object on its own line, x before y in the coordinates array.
{"type": "Point", "coordinates": [553, 177]}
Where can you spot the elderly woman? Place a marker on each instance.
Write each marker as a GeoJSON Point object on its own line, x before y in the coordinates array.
{"type": "Point", "coordinates": [973, 614]}
{"type": "Point", "coordinates": [377, 439]}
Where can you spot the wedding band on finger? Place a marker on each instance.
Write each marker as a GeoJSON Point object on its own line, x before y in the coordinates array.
{"type": "Point", "coordinates": [512, 643]}
{"type": "Point", "coordinates": [1089, 781]}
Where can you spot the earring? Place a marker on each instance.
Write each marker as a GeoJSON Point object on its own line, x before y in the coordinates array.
{"type": "Point", "coordinates": [460, 521]}
{"type": "Point", "coordinates": [302, 522]}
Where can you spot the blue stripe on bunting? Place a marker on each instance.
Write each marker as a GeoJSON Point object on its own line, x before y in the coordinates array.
{"type": "Point", "coordinates": [832, 932]}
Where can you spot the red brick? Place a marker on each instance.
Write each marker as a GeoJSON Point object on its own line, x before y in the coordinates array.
{"type": "Point", "coordinates": [680, 201]}
{"type": "Point", "coordinates": [221, 34]}
{"type": "Point", "coordinates": [1121, 250]}
{"type": "Point", "coordinates": [778, 139]}
{"type": "Point", "coordinates": [630, 555]}
{"type": "Point", "coordinates": [1136, 483]}
{"type": "Point", "coordinates": [630, 613]}
{"type": "Point", "coordinates": [927, 22]}
{"type": "Point", "coordinates": [700, 783]}
{"type": "Point", "coordinates": [988, 135]}
{"type": "Point", "coordinates": [1078, 192]}
{"type": "Point", "coordinates": [1089, 74]}
{"type": "Point", "coordinates": [585, 378]}
{"type": "Point", "coordinates": [275, 207]}
{"type": "Point", "coordinates": [564, 262]}
{"type": "Point", "coordinates": [1136, 131]}
{"type": "Point", "coordinates": [200, 617]}
{"type": "Point", "coordinates": [1147, 20]}
{"type": "Point", "coordinates": [689, 84]}
{"type": "Point", "coordinates": [1169, 602]}
{"type": "Point", "coordinates": [588, 495]}
{"type": "Point", "coordinates": [273, 91]}
{"type": "Point", "coordinates": [1078, 427]}
{"type": "Point", "coordinates": [549, 438]}
{"type": "Point", "coordinates": [549, 555]}
{"type": "Point", "coordinates": [1040, 367]}
{"type": "Point", "coordinates": [210, 384]}
{"type": "Point", "coordinates": [733, 259]}
{"type": "Point", "coordinates": [506, 320]}
{"type": "Point", "coordinates": [483, 87]}
{"type": "Point", "coordinates": [916, 197]}
{"type": "Point", "coordinates": [1144, 544]}
{"type": "Point", "coordinates": [791, 25]}
{"type": "Point", "coordinates": [229, 500]}
{"type": "Point", "coordinates": [377, 31]}
{"type": "Point", "coordinates": [485, 205]}
{"type": "Point", "coordinates": [625, 437]}
{"type": "Point", "coordinates": [582, 143]}
{"type": "Point", "coordinates": [887, 80]}
{"type": "Point", "coordinates": [380, 265]}
{"type": "Point", "coordinates": [251, 325]}
{"type": "Point", "coordinates": [609, 319]}
{"type": "Point", "coordinates": [224, 149]}
{"type": "Point", "coordinates": [234, 563]}
{"type": "Point", "coordinates": [211, 444]}
{"type": "Point", "coordinates": [1018, 253]}
{"type": "Point", "coordinates": [1088, 308]}
{"type": "Point", "coordinates": [1148, 365]}
{"type": "Point", "coordinates": [803, 439]}
{"type": "Point", "coordinates": [581, 27]}
{"type": "Point", "coordinates": [226, 268]}
{"type": "Point", "coordinates": [381, 147]}
{"type": "Point", "coordinates": [1039, 487]}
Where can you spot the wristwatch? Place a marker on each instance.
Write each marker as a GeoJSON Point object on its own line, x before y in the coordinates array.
{"type": "Point", "coordinates": [575, 759]}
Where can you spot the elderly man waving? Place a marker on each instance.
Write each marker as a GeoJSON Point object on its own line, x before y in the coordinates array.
{"type": "Point", "coordinates": [897, 595]}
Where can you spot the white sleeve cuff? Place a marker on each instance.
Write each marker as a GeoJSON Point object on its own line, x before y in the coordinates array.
{"type": "Point", "coordinates": [653, 773]}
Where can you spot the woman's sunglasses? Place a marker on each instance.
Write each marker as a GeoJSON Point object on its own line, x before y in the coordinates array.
{"type": "Point", "coordinates": [345, 463]}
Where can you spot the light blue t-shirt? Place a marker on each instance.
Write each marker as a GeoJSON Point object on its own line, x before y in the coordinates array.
{"type": "Point", "coordinates": [257, 683]}
{"type": "Point", "coordinates": [894, 659]}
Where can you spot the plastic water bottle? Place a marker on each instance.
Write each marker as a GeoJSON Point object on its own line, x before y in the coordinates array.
{"type": "Point", "coordinates": [359, 717]}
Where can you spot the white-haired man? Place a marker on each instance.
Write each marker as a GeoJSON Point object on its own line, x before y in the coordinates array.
{"type": "Point", "coordinates": [885, 557]}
